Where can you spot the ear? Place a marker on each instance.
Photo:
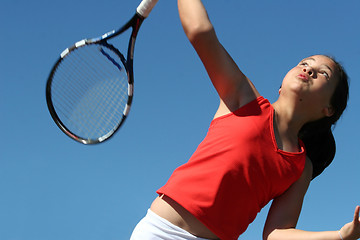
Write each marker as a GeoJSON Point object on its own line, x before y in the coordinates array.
{"type": "Point", "coordinates": [328, 111]}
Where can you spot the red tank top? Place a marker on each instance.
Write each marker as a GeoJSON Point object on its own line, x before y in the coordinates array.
{"type": "Point", "coordinates": [235, 171]}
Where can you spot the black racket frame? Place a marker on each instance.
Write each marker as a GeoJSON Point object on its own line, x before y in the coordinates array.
{"type": "Point", "coordinates": [134, 23]}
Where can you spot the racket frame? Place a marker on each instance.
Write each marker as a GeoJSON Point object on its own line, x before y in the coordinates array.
{"type": "Point", "coordinates": [134, 23]}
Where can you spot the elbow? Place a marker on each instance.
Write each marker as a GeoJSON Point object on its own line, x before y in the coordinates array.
{"type": "Point", "coordinates": [266, 235]}
{"type": "Point", "coordinates": [278, 234]}
{"type": "Point", "coordinates": [196, 32]}
{"type": "Point", "coordinates": [271, 234]}
{"type": "Point", "coordinates": [269, 237]}
{"type": "Point", "coordinates": [195, 20]}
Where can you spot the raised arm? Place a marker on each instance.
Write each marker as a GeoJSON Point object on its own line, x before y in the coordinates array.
{"type": "Point", "coordinates": [285, 210]}
{"type": "Point", "coordinates": [233, 87]}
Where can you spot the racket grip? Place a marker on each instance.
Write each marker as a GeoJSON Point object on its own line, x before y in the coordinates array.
{"type": "Point", "coordinates": [145, 7]}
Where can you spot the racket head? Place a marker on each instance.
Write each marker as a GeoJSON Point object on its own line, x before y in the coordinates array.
{"type": "Point", "coordinates": [89, 91]}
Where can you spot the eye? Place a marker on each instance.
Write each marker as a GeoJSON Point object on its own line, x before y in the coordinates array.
{"type": "Point", "coordinates": [325, 74]}
{"type": "Point", "coordinates": [304, 64]}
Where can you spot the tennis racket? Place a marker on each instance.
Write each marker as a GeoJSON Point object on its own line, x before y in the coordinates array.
{"type": "Point", "coordinates": [90, 88]}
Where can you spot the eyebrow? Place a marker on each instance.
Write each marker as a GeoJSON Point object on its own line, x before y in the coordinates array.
{"type": "Point", "coordinates": [313, 59]}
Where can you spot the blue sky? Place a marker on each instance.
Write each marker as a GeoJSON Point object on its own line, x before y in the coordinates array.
{"type": "Point", "coordinates": [52, 188]}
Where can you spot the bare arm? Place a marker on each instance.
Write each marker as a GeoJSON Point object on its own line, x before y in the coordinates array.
{"type": "Point", "coordinates": [285, 211]}
{"type": "Point", "coordinates": [233, 87]}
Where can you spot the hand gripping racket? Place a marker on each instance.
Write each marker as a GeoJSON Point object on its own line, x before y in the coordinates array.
{"type": "Point", "coordinates": [90, 88]}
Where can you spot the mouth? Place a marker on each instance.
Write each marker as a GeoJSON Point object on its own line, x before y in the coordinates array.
{"type": "Point", "coordinates": [303, 77]}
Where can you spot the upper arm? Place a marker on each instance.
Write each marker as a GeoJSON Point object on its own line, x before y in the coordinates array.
{"type": "Point", "coordinates": [285, 209]}
{"type": "Point", "coordinates": [233, 87]}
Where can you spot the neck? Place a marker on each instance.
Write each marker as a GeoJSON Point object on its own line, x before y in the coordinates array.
{"type": "Point", "coordinates": [288, 121]}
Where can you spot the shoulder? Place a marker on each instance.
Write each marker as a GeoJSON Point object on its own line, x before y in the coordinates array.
{"type": "Point", "coordinates": [308, 169]}
{"type": "Point", "coordinates": [301, 185]}
{"type": "Point", "coordinates": [286, 208]}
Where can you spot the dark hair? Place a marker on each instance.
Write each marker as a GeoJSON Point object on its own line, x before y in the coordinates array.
{"type": "Point", "coordinates": [317, 135]}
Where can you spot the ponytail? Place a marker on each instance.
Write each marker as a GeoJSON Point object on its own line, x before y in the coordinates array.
{"type": "Point", "coordinates": [319, 144]}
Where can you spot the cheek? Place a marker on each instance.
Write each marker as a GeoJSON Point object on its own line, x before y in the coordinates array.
{"type": "Point", "coordinates": [291, 74]}
{"type": "Point", "coordinates": [324, 94]}
{"type": "Point", "coordinates": [286, 79]}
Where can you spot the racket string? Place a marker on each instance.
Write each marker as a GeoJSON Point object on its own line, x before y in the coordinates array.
{"type": "Point", "coordinates": [91, 96]}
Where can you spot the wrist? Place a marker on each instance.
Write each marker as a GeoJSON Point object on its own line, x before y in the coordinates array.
{"type": "Point", "coordinates": [340, 235]}
{"type": "Point", "coordinates": [345, 235]}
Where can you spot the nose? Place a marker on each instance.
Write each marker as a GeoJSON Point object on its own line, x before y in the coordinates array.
{"type": "Point", "coordinates": [308, 70]}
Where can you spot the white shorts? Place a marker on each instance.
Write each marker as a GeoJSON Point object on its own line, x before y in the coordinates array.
{"type": "Point", "coordinates": [154, 227]}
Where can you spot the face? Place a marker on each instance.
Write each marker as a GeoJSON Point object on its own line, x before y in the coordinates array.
{"type": "Point", "coordinates": [312, 83]}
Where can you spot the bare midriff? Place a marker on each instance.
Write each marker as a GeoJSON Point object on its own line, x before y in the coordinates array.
{"type": "Point", "coordinates": [173, 212]}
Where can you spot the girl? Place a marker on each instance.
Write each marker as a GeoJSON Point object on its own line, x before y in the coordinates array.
{"type": "Point", "coordinates": [254, 151]}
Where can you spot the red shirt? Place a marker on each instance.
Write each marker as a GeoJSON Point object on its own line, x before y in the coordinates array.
{"type": "Point", "coordinates": [235, 171]}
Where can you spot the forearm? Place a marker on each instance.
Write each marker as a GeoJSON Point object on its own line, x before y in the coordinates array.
{"type": "Point", "coordinates": [296, 234]}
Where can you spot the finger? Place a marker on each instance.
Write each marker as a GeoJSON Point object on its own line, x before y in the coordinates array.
{"type": "Point", "coordinates": [356, 215]}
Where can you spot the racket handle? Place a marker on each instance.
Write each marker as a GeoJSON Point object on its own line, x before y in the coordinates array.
{"type": "Point", "coordinates": [145, 7]}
